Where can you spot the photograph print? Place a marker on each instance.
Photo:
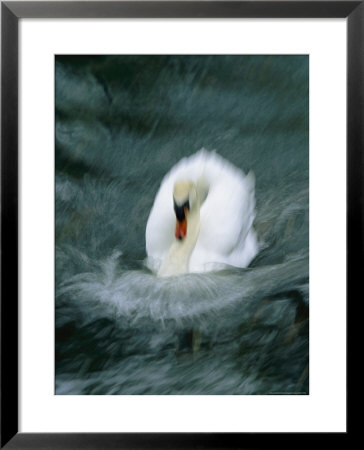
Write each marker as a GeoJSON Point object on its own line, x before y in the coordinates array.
{"type": "Point", "coordinates": [182, 224]}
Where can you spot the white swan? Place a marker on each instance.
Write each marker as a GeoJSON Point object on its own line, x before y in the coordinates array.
{"type": "Point", "coordinates": [202, 217]}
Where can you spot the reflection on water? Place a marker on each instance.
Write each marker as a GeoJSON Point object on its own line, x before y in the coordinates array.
{"type": "Point", "coordinates": [121, 124]}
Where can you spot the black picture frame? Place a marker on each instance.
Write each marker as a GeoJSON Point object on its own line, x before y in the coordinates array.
{"type": "Point", "coordinates": [11, 12]}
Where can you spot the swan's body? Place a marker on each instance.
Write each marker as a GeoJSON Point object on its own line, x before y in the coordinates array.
{"type": "Point", "coordinates": [214, 205]}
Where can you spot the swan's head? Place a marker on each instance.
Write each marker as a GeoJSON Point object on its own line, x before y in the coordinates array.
{"type": "Point", "coordinates": [184, 199]}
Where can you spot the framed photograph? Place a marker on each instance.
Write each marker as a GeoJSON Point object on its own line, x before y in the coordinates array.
{"type": "Point", "coordinates": [179, 221]}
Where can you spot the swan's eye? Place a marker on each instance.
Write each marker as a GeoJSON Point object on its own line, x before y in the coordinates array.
{"type": "Point", "coordinates": [180, 210]}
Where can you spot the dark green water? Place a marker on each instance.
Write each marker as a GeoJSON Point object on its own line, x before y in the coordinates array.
{"type": "Point", "coordinates": [121, 123]}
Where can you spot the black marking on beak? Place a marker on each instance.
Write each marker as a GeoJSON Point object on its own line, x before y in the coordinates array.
{"type": "Point", "coordinates": [180, 210]}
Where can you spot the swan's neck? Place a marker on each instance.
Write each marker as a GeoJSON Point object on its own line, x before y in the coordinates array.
{"type": "Point", "coordinates": [177, 259]}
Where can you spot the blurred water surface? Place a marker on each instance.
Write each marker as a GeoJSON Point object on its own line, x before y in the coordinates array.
{"type": "Point", "coordinates": [121, 123]}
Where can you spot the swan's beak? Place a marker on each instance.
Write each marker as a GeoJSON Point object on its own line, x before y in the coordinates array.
{"type": "Point", "coordinates": [181, 229]}
{"type": "Point", "coordinates": [181, 224]}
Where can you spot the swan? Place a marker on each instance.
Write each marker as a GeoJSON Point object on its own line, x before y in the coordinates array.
{"type": "Point", "coordinates": [202, 217]}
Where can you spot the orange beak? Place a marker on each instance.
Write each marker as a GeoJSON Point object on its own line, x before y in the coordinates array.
{"type": "Point", "coordinates": [181, 229]}
{"type": "Point", "coordinates": [181, 226]}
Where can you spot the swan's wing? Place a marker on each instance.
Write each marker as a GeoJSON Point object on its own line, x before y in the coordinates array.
{"type": "Point", "coordinates": [227, 215]}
